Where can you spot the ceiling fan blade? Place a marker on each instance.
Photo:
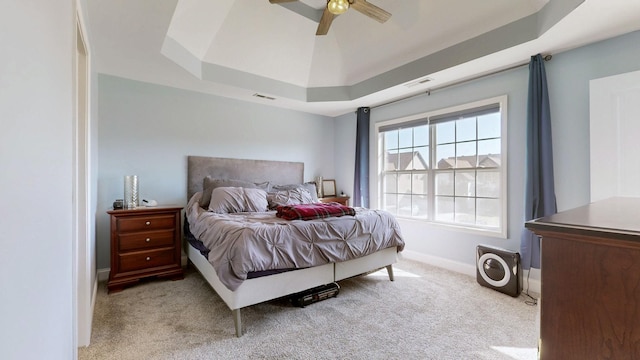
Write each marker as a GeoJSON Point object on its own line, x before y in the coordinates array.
{"type": "Point", "coordinates": [281, 1]}
{"type": "Point", "coordinates": [325, 22]}
{"type": "Point", "coordinates": [372, 11]}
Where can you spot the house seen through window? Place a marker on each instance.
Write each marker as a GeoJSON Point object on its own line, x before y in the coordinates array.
{"type": "Point", "coordinates": [446, 167]}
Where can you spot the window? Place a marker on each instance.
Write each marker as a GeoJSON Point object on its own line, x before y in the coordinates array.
{"type": "Point", "coordinates": [447, 167]}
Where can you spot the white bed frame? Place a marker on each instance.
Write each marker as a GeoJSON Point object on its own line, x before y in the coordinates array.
{"type": "Point", "coordinates": [257, 290]}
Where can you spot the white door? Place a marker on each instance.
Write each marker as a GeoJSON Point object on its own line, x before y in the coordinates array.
{"type": "Point", "coordinates": [615, 136]}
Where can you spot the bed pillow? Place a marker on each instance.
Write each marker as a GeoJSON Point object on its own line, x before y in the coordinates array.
{"type": "Point", "coordinates": [309, 186]}
{"type": "Point", "coordinates": [209, 183]}
{"type": "Point", "coordinates": [295, 196]}
{"type": "Point", "coordinates": [225, 200]}
{"type": "Point", "coordinates": [255, 200]}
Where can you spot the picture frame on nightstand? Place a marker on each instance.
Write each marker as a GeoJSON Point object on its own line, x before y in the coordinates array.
{"type": "Point", "coordinates": [328, 187]}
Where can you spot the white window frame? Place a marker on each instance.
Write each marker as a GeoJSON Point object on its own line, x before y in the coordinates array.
{"type": "Point", "coordinates": [377, 159]}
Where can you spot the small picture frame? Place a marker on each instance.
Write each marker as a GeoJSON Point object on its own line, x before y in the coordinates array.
{"type": "Point", "coordinates": [328, 188]}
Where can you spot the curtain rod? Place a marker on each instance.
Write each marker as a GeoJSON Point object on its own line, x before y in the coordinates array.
{"type": "Point", "coordinates": [429, 91]}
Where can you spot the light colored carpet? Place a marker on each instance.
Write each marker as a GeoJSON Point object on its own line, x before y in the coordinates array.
{"type": "Point", "coordinates": [426, 313]}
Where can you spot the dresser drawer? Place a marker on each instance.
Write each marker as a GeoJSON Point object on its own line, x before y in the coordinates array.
{"type": "Point", "coordinates": [146, 259]}
{"type": "Point", "coordinates": [143, 223]}
{"type": "Point", "coordinates": [145, 240]}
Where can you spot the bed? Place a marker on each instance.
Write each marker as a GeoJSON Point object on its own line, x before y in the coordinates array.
{"type": "Point", "coordinates": [253, 287]}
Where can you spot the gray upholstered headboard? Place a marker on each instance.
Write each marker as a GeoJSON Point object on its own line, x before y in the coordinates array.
{"type": "Point", "coordinates": [278, 172]}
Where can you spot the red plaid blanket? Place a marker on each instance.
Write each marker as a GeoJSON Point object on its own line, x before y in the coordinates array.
{"type": "Point", "coordinates": [313, 211]}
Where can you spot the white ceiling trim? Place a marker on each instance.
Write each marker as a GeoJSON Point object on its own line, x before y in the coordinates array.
{"type": "Point", "coordinates": [507, 36]}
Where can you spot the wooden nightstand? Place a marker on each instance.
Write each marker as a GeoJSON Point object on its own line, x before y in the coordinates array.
{"type": "Point", "coordinates": [144, 242]}
{"type": "Point", "coordinates": [344, 200]}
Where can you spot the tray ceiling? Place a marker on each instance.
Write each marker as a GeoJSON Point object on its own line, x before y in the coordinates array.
{"type": "Point", "coordinates": [240, 48]}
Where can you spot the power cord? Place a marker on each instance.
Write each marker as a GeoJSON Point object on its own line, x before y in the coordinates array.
{"type": "Point", "coordinates": [531, 301]}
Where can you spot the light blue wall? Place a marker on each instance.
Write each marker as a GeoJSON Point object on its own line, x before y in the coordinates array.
{"type": "Point", "coordinates": [568, 75]}
{"type": "Point", "coordinates": [148, 130]}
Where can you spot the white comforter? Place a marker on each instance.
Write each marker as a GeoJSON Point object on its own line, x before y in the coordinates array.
{"type": "Point", "coordinates": [246, 242]}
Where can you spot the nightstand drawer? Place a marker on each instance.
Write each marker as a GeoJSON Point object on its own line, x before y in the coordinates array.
{"type": "Point", "coordinates": [143, 223]}
{"type": "Point", "coordinates": [146, 259]}
{"type": "Point", "coordinates": [145, 240]}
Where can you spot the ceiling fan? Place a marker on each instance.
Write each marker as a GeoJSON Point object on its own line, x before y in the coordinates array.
{"type": "Point", "coordinates": [337, 7]}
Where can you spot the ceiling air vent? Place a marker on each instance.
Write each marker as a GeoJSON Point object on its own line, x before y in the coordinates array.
{"type": "Point", "coordinates": [264, 96]}
{"type": "Point", "coordinates": [418, 82]}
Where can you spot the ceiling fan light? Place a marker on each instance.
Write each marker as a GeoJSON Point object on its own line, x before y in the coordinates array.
{"type": "Point", "coordinates": [337, 7]}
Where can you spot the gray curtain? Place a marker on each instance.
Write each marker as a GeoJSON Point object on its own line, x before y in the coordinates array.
{"type": "Point", "coordinates": [540, 196]}
{"type": "Point", "coordinates": [361, 180]}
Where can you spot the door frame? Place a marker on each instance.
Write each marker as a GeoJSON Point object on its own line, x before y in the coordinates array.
{"type": "Point", "coordinates": [84, 279]}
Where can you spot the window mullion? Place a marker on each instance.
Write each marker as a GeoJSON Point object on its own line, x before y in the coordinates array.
{"type": "Point", "coordinates": [475, 177]}
{"type": "Point", "coordinates": [431, 176]}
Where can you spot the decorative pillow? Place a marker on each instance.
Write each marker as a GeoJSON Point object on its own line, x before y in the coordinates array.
{"type": "Point", "coordinates": [313, 190]}
{"type": "Point", "coordinates": [209, 183]}
{"type": "Point", "coordinates": [295, 196]}
{"type": "Point", "coordinates": [226, 200]}
{"type": "Point", "coordinates": [266, 186]}
{"type": "Point", "coordinates": [309, 186]}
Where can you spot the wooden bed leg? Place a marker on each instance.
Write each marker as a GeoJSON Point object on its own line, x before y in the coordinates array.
{"type": "Point", "coordinates": [390, 272]}
{"type": "Point", "coordinates": [237, 321]}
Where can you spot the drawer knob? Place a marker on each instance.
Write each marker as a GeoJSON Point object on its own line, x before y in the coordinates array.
{"type": "Point", "coordinates": [148, 223]}
{"type": "Point", "coordinates": [147, 239]}
{"type": "Point", "coordinates": [148, 258]}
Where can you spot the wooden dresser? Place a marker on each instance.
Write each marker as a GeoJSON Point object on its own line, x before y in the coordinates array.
{"type": "Point", "coordinates": [344, 200]}
{"type": "Point", "coordinates": [590, 281]}
{"type": "Point", "coordinates": [144, 242]}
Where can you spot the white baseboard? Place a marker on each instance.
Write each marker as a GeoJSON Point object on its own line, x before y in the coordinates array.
{"type": "Point", "coordinates": [103, 274]}
{"type": "Point", "coordinates": [440, 262]}
{"type": "Point", "coordinates": [184, 259]}
{"type": "Point", "coordinates": [93, 307]}
{"type": "Point", "coordinates": [533, 285]}
{"type": "Point", "coordinates": [94, 295]}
